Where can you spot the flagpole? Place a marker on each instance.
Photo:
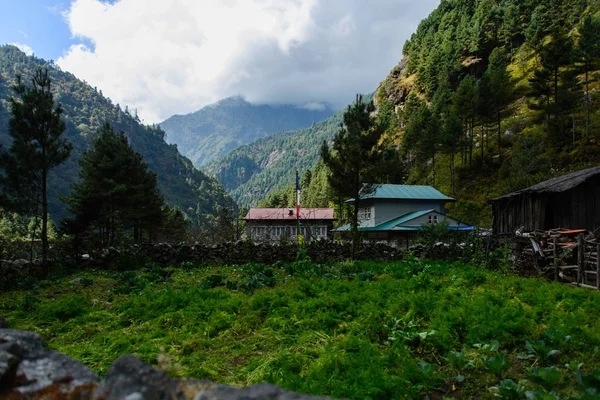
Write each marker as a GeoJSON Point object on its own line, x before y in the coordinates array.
{"type": "Point", "coordinates": [298, 235]}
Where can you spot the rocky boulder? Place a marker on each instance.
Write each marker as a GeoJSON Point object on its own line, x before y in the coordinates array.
{"type": "Point", "coordinates": [29, 371]}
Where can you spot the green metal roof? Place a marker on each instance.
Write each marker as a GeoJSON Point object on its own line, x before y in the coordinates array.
{"type": "Point", "coordinates": [412, 192]}
{"type": "Point", "coordinates": [391, 225]}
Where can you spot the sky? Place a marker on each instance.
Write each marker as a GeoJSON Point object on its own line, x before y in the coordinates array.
{"type": "Point", "coordinates": [166, 57]}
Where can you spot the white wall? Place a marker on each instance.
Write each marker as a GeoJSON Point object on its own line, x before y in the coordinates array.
{"type": "Point", "coordinates": [385, 210]}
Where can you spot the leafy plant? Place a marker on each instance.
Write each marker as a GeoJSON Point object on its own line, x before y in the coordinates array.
{"type": "Point", "coordinates": [550, 379]}
{"type": "Point", "coordinates": [540, 350]}
{"type": "Point", "coordinates": [497, 364]}
{"type": "Point", "coordinates": [458, 360]}
{"type": "Point", "coordinates": [508, 390]}
{"type": "Point", "coordinates": [589, 384]}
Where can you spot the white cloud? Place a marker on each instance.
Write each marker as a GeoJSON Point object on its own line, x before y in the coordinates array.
{"type": "Point", "coordinates": [314, 106]}
{"type": "Point", "coordinates": [168, 57]}
{"type": "Point", "coordinates": [23, 47]}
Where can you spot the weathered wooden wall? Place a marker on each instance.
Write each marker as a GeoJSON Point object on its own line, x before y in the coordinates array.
{"type": "Point", "coordinates": [576, 208]}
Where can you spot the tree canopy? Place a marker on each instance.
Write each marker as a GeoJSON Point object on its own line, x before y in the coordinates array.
{"type": "Point", "coordinates": [38, 145]}
{"type": "Point", "coordinates": [117, 192]}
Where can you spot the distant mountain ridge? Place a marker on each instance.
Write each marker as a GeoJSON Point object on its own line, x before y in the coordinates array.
{"type": "Point", "coordinates": [85, 110]}
{"type": "Point", "coordinates": [223, 126]}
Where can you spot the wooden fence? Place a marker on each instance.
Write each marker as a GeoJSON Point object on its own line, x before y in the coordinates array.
{"type": "Point", "coordinates": [571, 256]}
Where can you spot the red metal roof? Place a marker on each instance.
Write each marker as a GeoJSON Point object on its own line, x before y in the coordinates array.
{"type": "Point", "coordinates": [284, 214]}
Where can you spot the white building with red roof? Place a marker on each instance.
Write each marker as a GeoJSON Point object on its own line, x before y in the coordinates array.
{"type": "Point", "coordinates": [273, 224]}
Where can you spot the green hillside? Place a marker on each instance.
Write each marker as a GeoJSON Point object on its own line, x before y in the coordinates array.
{"type": "Point", "coordinates": [252, 171]}
{"type": "Point", "coordinates": [86, 109]}
{"type": "Point", "coordinates": [490, 97]}
{"type": "Point", "coordinates": [218, 128]}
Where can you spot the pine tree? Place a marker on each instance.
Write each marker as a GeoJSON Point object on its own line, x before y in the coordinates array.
{"type": "Point", "coordinates": [501, 89]}
{"type": "Point", "coordinates": [38, 145]}
{"type": "Point", "coordinates": [449, 140]}
{"type": "Point", "coordinates": [553, 80]}
{"type": "Point", "coordinates": [353, 157]}
{"type": "Point", "coordinates": [465, 103]}
{"type": "Point", "coordinates": [116, 192]}
{"type": "Point", "coordinates": [589, 54]}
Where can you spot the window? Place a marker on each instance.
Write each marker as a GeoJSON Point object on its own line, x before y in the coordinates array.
{"type": "Point", "coordinates": [320, 231]}
{"type": "Point", "coordinates": [364, 213]}
{"type": "Point", "coordinates": [433, 219]}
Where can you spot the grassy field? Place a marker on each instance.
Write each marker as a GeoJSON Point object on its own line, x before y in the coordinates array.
{"type": "Point", "coordinates": [356, 330]}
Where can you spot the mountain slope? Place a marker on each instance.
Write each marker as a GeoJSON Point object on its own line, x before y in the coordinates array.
{"type": "Point", "coordinates": [229, 123]}
{"type": "Point", "coordinates": [85, 110]}
{"type": "Point", "coordinates": [538, 133]}
{"type": "Point", "coordinates": [252, 171]}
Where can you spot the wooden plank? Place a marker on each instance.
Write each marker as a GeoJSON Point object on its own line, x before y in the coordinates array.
{"type": "Point", "coordinates": [573, 231]}
{"type": "Point", "coordinates": [583, 285]}
{"type": "Point", "coordinates": [598, 267]}
{"type": "Point", "coordinates": [555, 257]}
{"type": "Point", "coordinates": [536, 247]}
{"type": "Point", "coordinates": [567, 244]}
{"type": "Point", "coordinates": [580, 259]}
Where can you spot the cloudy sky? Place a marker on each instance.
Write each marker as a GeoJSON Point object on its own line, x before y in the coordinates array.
{"type": "Point", "coordinates": [168, 57]}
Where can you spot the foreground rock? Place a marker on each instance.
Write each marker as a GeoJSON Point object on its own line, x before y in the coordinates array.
{"type": "Point", "coordinates": [29, 371]}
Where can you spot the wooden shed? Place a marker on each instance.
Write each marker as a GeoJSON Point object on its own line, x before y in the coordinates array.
{"type": "Point", "coordinates": [570, 201]}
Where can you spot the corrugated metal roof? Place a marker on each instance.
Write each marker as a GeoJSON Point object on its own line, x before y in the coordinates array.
{"type": "Point", "coordinates": [558, 184]}
{"type": "Point", "coordinates": [283, 214]}
{"type": "Point", "coordinates": [391, 224]}
{"type": "Point", "coordinates": [396, 224]}
{"type": "Point", "coordinates": [412, 192]}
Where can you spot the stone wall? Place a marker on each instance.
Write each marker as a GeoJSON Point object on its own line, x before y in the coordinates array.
{"type": "Point", "coordinates": [29, 371]}
{"type": "Point", "coordinates": [242, 252]}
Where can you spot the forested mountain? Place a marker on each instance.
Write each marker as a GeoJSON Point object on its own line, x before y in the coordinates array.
{"type": "Point", "coordinates": [492, 96]}
{"type": "Point", "coordinates": [218, 128]}
{"type": "Point", "coordinates": [252, 171]}
{"type": "Point", "coordinates": [85, 110]}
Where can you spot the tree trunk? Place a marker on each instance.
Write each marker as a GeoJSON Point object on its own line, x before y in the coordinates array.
{"type": "Point", "coordinates": [499, 136]}
{"type": "Point", "coordinates": [452, 170]}
{"type": "Point", "coordinates": [354, 225]}
{"type": "Point", "coordinates": [556, 87]}
{"type": "Point", "coordinates": [35, 225]}
{"type": "Point", "coordinates": [587, 104]}
{"type": "Point", "coordinates": [482, 137]}
{"type": "Point", "coordinates": [471, 145]}
{"type": "Point", "coordinates": [44, 218]}
{"type": "Point", "coordinates": [573, 119]}
{"type": "Point", "coordinates": [433, 167]}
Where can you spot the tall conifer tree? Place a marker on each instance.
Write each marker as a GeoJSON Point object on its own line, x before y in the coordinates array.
{"type": "Point", "coordinates": [353, 156]}
{"type": "Point", "coordinates": [38, 145]}
{"type": "Point", "coordinates": [117, 191]}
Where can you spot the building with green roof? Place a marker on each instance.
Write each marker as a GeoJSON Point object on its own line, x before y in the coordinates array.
{"type": "Point", "coordinates": [396, 213]}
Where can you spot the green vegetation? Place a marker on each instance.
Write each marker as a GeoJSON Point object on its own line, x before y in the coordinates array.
{"type": "Point", "coordinates": [496, 95]}
{"type": "Point", "coordinates": [38, 146]}
{"type": "Point", "coordinates": [491, 96]}
{"type": "Point", "coordinates": [250, 172]}
{"type": "Point", "coordinates": [221, 127]}
{"type": "Point", "coordinates": [355, 329]}
{"type": "Point", "coordinates": [116, 192]}
{"type": "Point", "coordinates": [354, 158]}
{"type": "Point", "coordinates": [86, 110]}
